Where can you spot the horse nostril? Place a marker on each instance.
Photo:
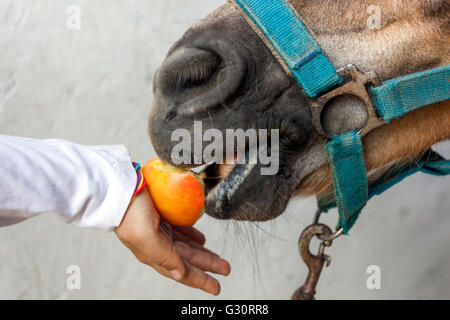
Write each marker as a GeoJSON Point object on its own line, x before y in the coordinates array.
{"type": "Point", "coordinates": [188, 68]}
{"type": "Point", "coordinates": [198, 71]}
{"type": "Point", "coordinates": [196, 81]}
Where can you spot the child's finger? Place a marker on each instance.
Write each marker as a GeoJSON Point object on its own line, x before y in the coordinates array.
{"type": "Point", "coordinates": [196, 278]}
{"type": "Point", "coordinates": [192, 233]}
{"type": "Point", "coordinates": [177, 236]}
{"type": "Point", "coordinates": [164, 254]}
{"type": "Point", "coordinates": [203, 260]}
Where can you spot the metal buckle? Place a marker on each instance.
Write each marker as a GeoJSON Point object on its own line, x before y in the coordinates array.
{"type": "Point", "coordinates": [356, 85]}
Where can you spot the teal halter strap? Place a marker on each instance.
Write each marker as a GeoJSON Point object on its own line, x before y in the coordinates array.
{"type": "Point", "coordinates": [345, 155]}
{"type": "Point", "coordinates": [294, 43]}
{"type": "Point", "coordinates": [397, 97]}
{"type": "Point", "coordinates": [307, 63]}
{"type": "Point", "coordinates": [431, 163]}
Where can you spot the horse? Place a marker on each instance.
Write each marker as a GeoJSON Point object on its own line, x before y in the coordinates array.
{"type": "Point", "coordinates": [223, 73]}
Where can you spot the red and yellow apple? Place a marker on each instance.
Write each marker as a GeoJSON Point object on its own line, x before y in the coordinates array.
{"type": "Point", "coordinates": [178, 194]}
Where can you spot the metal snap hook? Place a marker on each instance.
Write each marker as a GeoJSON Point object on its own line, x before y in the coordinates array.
{"type": "Point", "coordinates": [315, 263]}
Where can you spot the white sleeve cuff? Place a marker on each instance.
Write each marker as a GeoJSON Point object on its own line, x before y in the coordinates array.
{"type": "Point", "coordinates": [114, 180]}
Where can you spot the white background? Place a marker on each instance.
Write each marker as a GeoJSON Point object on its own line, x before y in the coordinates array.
{"type": "Point", "coordinates": [94, 86]}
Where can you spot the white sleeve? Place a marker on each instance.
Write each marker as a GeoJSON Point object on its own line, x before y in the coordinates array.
{"type": "Point", "coordinates": [89, 186]}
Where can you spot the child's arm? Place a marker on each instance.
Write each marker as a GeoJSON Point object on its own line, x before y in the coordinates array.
{"type": "Point", "coordinates": [87, 186]}
{"type": "Point", "coordinates": [92, 187]}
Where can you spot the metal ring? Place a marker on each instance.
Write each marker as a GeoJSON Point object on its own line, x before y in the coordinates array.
{"type": "Point", "coordinates": [330, 237]}
{"type": "Point", "coordinates": [333, 236]}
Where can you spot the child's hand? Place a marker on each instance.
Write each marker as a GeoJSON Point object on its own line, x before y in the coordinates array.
{"type": "Point", "coordinates": [175, 252]}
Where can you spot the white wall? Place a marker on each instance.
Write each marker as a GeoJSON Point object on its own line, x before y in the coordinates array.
{"type": "Point", "coordinates": [93, 86]}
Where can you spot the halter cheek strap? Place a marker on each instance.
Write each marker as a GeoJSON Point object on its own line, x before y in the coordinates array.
{"type": "Point", "coordinates": [287, 34]}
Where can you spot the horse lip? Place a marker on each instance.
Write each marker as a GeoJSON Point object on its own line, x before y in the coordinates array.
{"type": "Point", "coordinates": [217, 172]}
{"type": "Point", "coordinates": [219, 196]}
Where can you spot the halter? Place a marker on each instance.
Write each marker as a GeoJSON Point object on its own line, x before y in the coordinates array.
{"type": "Point", "coordinates": [292, 43]}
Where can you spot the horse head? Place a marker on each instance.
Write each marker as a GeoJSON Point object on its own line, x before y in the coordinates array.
{"type": "Point", "coordinates": [223, 74]}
